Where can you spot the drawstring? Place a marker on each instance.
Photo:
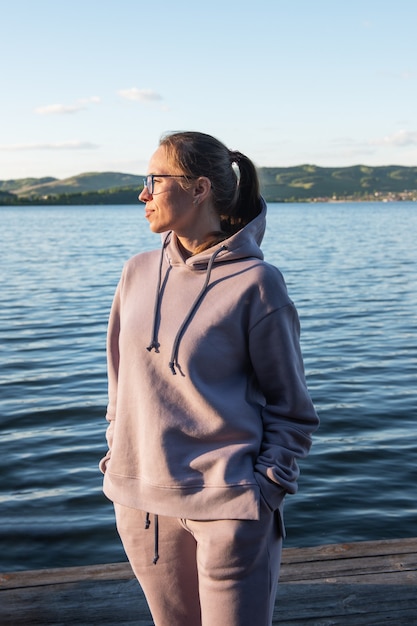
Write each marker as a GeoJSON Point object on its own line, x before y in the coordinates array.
{"type": "Point", "coordinates": [154, 345]}
{"type": "Point", "coordinates": [156, 535]}
{"type": "Point", "coordinates": [173, 361]}
{"type": "Point", "coordinates": [154, 342]}
{"type": "Point", "coordinates": [156, 540]}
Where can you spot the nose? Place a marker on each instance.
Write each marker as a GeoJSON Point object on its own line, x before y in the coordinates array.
{"type": "Point", "coordinates": [144, 195]}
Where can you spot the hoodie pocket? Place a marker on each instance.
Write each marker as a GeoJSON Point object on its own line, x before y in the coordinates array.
{"type": "Point", "coordinates": [278, 495]}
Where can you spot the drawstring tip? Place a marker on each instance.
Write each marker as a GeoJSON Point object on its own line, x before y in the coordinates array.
{"type": "Point", "coordinates": [156, 536]}
{"type": "Point", "coordinates": [172, 367]}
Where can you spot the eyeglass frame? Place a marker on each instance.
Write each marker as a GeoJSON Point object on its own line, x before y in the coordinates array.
{"type": "Point", "coordinates": [150, 178]}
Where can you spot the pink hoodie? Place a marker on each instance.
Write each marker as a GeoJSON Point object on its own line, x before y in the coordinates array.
{"type": "Point", "coordinates": [208, 405]}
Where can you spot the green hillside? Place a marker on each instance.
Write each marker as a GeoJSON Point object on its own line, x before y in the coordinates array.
{"type": "Point", "coordinates": [21, 183]}
{"type": "Point", "coordinates": [309, 182]}
{"type": "Point", "coordinates": [83, 183]}
{"type": "Point", "coordinates": [302, 183]}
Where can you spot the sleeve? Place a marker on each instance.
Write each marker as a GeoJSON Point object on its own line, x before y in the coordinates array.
{"type": "Point", "coordinates": [113, 358]}
{"type": "Point", "coordinates": [288, 415]}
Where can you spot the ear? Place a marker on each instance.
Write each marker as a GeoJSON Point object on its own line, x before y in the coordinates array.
{"type": "Point", "coordinates": [201, 189]}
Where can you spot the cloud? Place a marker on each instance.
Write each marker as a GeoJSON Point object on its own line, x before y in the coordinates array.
{"type": "Point", "coordinates": [400, 138]}
{"type": "Point", "coordinates": [140, 95]}
{"type": "Point", "coordinates": [59, 109]}
{"type": "Point", "coordinates": [64, 109]}
{"type": "Point", "coordinates": [60, 145]}
{"type": "Point", "coordinates": [402, 75]}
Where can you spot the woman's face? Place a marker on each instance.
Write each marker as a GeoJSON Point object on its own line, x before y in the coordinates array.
{"type": "Point", "coordinates": [170, 206]}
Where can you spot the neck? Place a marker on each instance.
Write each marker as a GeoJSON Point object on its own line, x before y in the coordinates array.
{"type": "Point", "coordinates": [205, 232]}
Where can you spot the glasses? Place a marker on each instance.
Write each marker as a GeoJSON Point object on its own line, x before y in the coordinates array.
{"type": "Point", "coordinates": [149, 181]}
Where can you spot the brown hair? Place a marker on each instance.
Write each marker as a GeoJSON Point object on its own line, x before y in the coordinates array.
{"type": "Point", "coordinates": [236, 197]}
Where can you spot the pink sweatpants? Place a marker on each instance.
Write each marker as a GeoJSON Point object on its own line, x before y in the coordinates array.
{"type": "Point", "coordinates": [209, 573]}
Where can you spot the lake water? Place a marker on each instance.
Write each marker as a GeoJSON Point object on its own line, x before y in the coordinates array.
{"type": "Point", "coordinates": [351, 270]}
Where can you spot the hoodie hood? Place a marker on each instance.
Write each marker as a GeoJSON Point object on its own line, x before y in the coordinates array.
{"type": "Point", "coordinates": [243, 244]}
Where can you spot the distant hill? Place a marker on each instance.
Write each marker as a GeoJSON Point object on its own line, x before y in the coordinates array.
{"type": "Point", "coordinates": [310, 182]}
{"type": "Point", "coordinates": [278, 184]}
{"type": "Point", "coordinates": [91, 181]}
{"type": "Point", "coordinates": [21, 183]}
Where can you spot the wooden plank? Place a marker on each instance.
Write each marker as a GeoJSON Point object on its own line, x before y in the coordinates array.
{"type": "Point", "coordinates": [29, 578]}
{"type": "Point", "coordinates": [345, 604]}
{"type": "Point", "coordinates": [83, 603]}
{"type": "Point", "coordinates": [350, 550]}
{"type": "Point", "coordinates": [362, 583]}
{"type": "Point", "coordinates": [403, 567]}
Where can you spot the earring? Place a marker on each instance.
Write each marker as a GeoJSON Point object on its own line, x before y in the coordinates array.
{"type": "Point", "coordinates": [195, 201]}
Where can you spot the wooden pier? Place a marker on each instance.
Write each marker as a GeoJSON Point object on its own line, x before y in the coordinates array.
{"type": "Point", "coordinates": [366, 583]}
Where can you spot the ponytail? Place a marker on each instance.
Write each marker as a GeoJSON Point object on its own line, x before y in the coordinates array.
{"type": "Point", "coordinates": [247, 204]}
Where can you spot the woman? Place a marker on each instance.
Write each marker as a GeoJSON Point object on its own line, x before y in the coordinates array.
{"type": "Point", "coordinates": [208, 406]}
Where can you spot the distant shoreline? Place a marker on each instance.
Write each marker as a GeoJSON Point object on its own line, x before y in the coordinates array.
{"type": "Point", "coordinates": [103, 199]}
{"type": "Point", "coordinates": [303, 183]}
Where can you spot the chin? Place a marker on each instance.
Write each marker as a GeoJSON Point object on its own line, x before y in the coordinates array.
{"type": "Point", "coordinates": [157, 229]}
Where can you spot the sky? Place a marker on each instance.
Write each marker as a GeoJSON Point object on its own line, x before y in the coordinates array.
{"type": "Point", "coordinates": [92, 85]}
